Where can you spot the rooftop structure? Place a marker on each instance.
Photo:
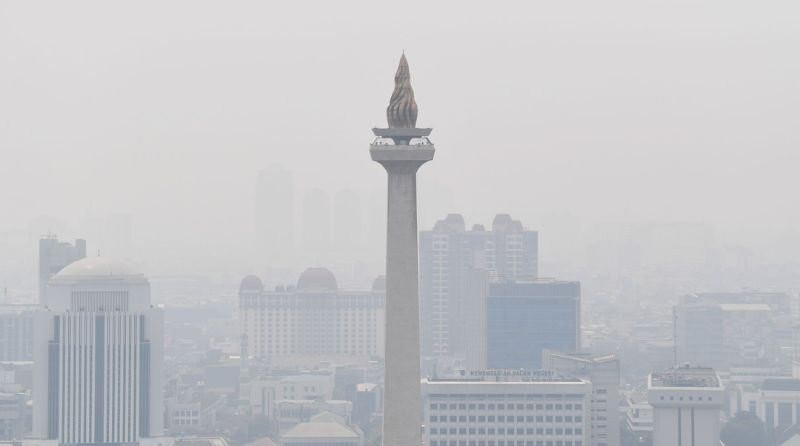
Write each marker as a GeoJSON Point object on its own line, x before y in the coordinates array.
{"type": "Point", "coordinates": [686, 405]}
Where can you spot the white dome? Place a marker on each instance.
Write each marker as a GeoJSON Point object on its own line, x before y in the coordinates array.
{"type": "Point", "coordinates": [98, 267]}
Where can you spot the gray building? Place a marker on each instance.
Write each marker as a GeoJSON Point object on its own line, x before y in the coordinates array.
{"type": "Point", "coordinates": [54, 255]}
{"type": "Point", "coordinates": [699, 328]}
{"type": "Point", "coordinates": [523, 318]}
{"type": "Point", "coordinates": [603, 372]}
{"type": "Point", "coordinates": [448, 252]}
{"type": "Point", "coordinates": [274, 217]}
{"type": "Point", "coordinates": [16, 332]}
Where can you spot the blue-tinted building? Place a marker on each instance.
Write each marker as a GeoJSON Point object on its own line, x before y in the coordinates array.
{"type": "Point", "coordinates": [524, 318]}
{"type": "Point", "coordinates": [447, 255]}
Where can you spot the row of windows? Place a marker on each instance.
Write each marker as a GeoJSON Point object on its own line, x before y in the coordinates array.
{"type": "Point", "coordinates": [518, 406]}
{"type": "Point", "coordinates": [507, 443]}
{"type": "Point", "coordinates": [503, 431]}
{"type": "Point", "coordinates": [509, 419]}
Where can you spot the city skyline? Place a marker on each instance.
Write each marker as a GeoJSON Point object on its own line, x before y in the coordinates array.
{"type": "Point", "coordinates": [198, 249]}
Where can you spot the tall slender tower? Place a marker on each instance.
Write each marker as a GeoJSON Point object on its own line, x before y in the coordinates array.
{"type": "Point", "coordinates": [401, 149]}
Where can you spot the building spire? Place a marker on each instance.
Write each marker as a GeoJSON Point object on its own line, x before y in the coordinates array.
{"type": "Point", "coordinates": [402, 110]}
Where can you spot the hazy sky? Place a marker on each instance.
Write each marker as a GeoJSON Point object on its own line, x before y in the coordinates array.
{"type": "Point", "coordinates": [612, 110]}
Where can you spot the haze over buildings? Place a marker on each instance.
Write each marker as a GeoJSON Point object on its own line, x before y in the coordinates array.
{"type": "Point", "coordinates": [608, 244]}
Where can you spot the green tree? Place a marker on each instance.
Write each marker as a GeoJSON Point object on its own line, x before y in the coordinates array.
{"type": "Point", "coordinates": [745, 429]}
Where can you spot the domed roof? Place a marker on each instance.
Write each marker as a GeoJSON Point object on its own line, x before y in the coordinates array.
{"type": "Point", "coordinates": [251, 283]}
{"type": "Point", "coordinates": [379, 284]}
{"type": "Point", "coordinates": [94, 267]}
{"type": "Point", "coordinates": [317, 279]}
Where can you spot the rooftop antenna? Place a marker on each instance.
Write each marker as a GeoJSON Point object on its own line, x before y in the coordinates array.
{"type": "Point", "coordinates": [675, 336]}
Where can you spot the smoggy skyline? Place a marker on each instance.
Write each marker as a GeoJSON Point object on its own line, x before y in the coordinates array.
{"type": "Point", "coordinates": [587, 113]}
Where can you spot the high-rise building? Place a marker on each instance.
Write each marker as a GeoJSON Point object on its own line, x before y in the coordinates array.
{"type": "Point", "coordinates": [604, 374]}
{"type": "Point", "coordinates": [686, 405]}
{"type": "Point", "coordinates": [98, 353]}
{"type": "Point", "coordinates": [402, 149]}
{"type": "Point", "coordinates": [447, 253]}
{"type": "Point", "coordinates": [523, 318]}
{"type": "Point", "coordinates": [316, 225]}
{"type": "Point", "coordinates": [699, 328]}
{"type": "Point", "coordinates": [347, 223]}
{"type": "Point", "coordinates": [508, 408]}
{"type": "Point", "coordinates": [274, 217]}
{"type": "Point", "coordinates": [16, 332]}
{"type": "Point", "coordinates": [313, 318]}
{"type": "Point", "coordinates": [55, 255]}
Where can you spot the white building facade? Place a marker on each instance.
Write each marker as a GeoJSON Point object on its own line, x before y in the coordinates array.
{"type": "Point", "coordinates": [500, 409]}
{"type": "Point", "coordinates": [98, 353]}
{"type": "Point", "coordinates": [686, 405]}
{"type": "Point", "coordinates": [315, 318]}
{"type": "Point", "coordinates": [603, 371]}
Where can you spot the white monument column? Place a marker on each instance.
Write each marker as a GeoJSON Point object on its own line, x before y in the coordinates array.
{"type": "Point", "coordinates": [402, 149]}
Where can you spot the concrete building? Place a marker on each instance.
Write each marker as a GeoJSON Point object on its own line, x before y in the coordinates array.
{"type": "Point", "coordinates": [507, 408]}
{"type": "Point", "coordinates": [401, 149]}
{"type": "Point", "coordinates": [13, 414]}
{"type": "Point", "coordinates": [448, 253]}
{"type": "Point", "coordinates": [604, 374]}
{"type": "Point", "coordinates": [263, 393]}
{"type": "Point", "coordinates": [721, 335]}
{"type": "Point", "coordinates": [523, 318]}
{"type": "Point", "coordinates": [54, 255]}
{"type": "Point", "coordinates": [16, 332]}
{"type": "Point", "coordinates": [638, 412]}
{"type": "Point", "coordinates": [313, 318]}
{"type": "Point", "coordinates": [776, 402]}
{"type": "Point", "coordinates": [686, 405]}
{"type": "Point", "coordinates": [98, 354]}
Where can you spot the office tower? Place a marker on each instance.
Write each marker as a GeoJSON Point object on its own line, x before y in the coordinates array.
{"type": "Point", "coordinates": [447, 253]}
{"type": "Point", "coordinates": [537, 408]}
{"type": "Point", "coordinates": [720, 330]}
{"type": "Point", "coordinates": [316, 225]}
{"type": "Point", "coordinates": [699, 328]}
{"type": "Point", "coordinates": [401, 149]}
{"type": "Point", "coordinates": [347, 224]}
{"type": "Point", "coordinates": [16, 332]}
{"type": "Point", "coordinates": [98, 353]}
{"type": "Point", "coordinates": [313, 318]}
{"type": "Point", "coordinates": [55, 255]}
{"type": "Point", "coordinates": [274, 217]}
{"type": "Point", "coordinates": [523, 318]}
{"type": "Point", "coordinates": [686, 405]}
{"type": "Point", "coordinates": [474, 289]}
{"type": "Point", "coordinates": [603, 372]}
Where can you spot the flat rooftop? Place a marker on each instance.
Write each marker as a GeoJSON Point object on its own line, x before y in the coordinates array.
{"type": "Point", "coordinates": [508, 376]}
{"type": "Point", "coordinates": [686, 377]}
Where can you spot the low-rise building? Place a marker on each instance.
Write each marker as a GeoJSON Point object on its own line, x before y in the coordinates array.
{"type": "Point", "coordinates": [505, 408]}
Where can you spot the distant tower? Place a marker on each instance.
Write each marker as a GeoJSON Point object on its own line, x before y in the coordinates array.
{"type": "Point", "coordinates": [98, 352]}
{"type": "Point", "coordinates": [316, 225]}
{"type": "Point", "coordinates": [55, 255]}
{"type": "Point", "coordinates": [401, 149]}
{"type": "Point", "coordinates": [274, 209]}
